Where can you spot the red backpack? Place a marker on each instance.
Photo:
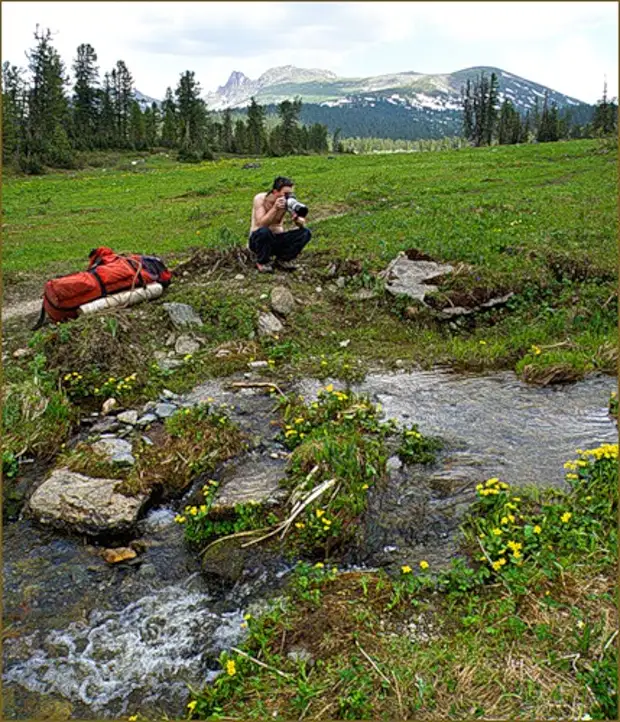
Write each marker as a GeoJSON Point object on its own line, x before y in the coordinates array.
{"type": "Point", "coordinates": [107, 273]}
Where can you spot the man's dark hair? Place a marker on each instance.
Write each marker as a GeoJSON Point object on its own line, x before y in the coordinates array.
{"type": "Point", "coordinates": [280, 182]}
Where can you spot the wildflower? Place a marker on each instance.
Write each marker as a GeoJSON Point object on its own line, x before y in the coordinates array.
{"type": "Point", "coordinates": [497, 532]}
{"type": "Point", "coordinates": [536, 350]}
{"type": "Point", "coordinates": [247, 616]}
{"type": "Point", "coordinates": [193, 511]}
{"type": "Point", "coordinates": [515, 546]}
{"type": "Point", "coordinates": [231, 667]}
{"type": "Point", "coordinates": [327, 522]}
{"type": "Point", "coordinates": [212, 482]}
{"type": "Point", "coordinates": [203, 509]}
{"type": "Point", "coordinates": [581, 624]}
{"type": "Point", "coordinates": [180, 519]}
{"type": "Point", "coordinates": [191, 706]}
{"type": "Point", "coordinates": [511, 518]}
{"type": "Point", "coordinates": [329, 388]}
{"type": "Point", "coordinates": [516, 498]}
{"type": "Point", "coordinates": [300, 420]}
{"type": "Point", "coordinates": [537, 529]}
{"type": "Point", "coordinates": [406, 569]}
{"type": "Point", "coordinates": [424, 564]}
{"type": "Point", "coordinates": [573, 477]}
{"type": "Point", "coordinates": [243, 625]}
{"type": "Point", "coordinates": [566, 517]}
{"type": "Point", "coordinates": [319, 513]}
{"type": "Point", "coordinates": [299, 525]}
{"type": "Point", "coordinates": [319, 565]}
{"type": "Point", "coordinates": [364, 486]}
{"type": "Point", "coordinates": [133, 718]}
{"type": "Point", "coordinates": [482, 343]}
{"type": "Point", "coordinates": [517, 554]}
{"type": "Point", "coordinates": [504, 520]}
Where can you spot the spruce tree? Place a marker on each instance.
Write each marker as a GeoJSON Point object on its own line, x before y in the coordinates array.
{"type": "Point", "coordinates": [85, 97]}
{"type": "Point", "coordinates": [240, 138]}
{"type": "Point", "coordinates": [605, 118]}
{"type": "Point", "coordinates": [13, 112]}
{"type": "Point", "coordinates": [289, 117]}
{"type": "Point", "coordinates": [468, 111]}
{"type": "Point", "coordinates": [122, 98]}
{"type": "Point", "coordinates": [227, 142]}
{"type": "Point", "coordinates": [256, 128]}
{"type": "Point", "coordinates": [106, 127]}
{"type": "Point", "coordinates": [192, 119]}
{"type": "Point", "coordinates": [137, 128]}
{"type": "Point", "coordinates": [46, 141]}
{"type": "Point", "coordinates": [169, 131]}
{"type": "Point", "coordinates": [152, 121]}
{"type": "Point", "coordinates": [491, 110]}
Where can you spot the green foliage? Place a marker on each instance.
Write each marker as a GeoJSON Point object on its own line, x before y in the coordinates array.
{"type": "Point", "coordinates": [417, 449]}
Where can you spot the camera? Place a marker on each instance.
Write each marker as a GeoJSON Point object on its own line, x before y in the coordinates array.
{"type": "Point", "coordinates": [294, 206]}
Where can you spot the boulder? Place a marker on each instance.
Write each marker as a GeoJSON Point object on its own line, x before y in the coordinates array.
{"type": "Point", "coordinates": [269, 325]}
{"type": "Point", "coordinates": [146, 420]}
{"type": "Point", "coordinates": [182, 315]}
{"type": "Point", "coordinates": [227, 559]}
{"type": "Point", "coordinates": [185, 345]}
{"type": "Point", "coordinates": [81, 504]}
{"type": "Point", "coordinates": [128, 417]}
{"type": "Point", "coordinates": [116, 451]}
{"type": "Point", "coordinates": [282, 300]}
{"type": "Point", "coordinates": [108, 406]}
{"type": "Point", "coordinates": [408, 278]}
{"type": "Point", "coordinates": [251, 481]}
{"type": "Point", "coordinates": [164, 411]}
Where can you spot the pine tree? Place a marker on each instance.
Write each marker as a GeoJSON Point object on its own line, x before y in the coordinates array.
{"type": "Point", "coordinates": [46, 140]}
{"type": "Point", "coordinates": [227, 141]}
{"type": "Point", "coordinates": [240, 138]}
{"type": "Point", "coordinates": [13, 112]}
{"type": "Point", "coordinates": [317, 138]}
{"type": "Point", "coordinates": [169, 131]}
{"type": "Point", "coordinates": [137, 128]}
{"type": "Point", "coordinates": [256, 128]}
{"type": "Point", "coordinates": [468, 111]}
{"type": "Point", "coordinates": [289, 116]}
{"type": "Point", "coordinates": [152, 121]}
{"type": "Point", "coordinates": [106, 128]}
{"type": "Point", "coordinates": [337, 145]}
{"type": "Point", "coordinates": [85, 97]}
{"type": "Point", "coordinates": [605, 118]}
{"type": "Point", "coordinates": [122, 97]}
{"type": "Point", "coordinates": [491, 111]}
{"type": "Point", "coordinates": [192, 119]}
{"type": "Point", "coordinates": [548, 128]}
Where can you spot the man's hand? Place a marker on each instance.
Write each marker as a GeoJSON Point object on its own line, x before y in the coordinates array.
{"type": "Point", "coordinates": [280, 203]}
{"type": "Point", "coordinates": [298, 220]}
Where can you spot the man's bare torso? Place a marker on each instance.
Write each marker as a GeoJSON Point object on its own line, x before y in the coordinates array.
{"type": "Point", "coordinates": [262, 200]}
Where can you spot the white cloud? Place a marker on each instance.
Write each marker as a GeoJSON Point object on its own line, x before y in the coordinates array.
{"type": "Point", "coordinates": [565, 45]}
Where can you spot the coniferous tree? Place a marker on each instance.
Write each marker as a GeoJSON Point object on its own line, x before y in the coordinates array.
{"type": "Point", "coordinates": [137, 128]}
{"type": "Point", "coordinates": [152, 121]}
{"type": "Point", "coordinates": [491, 111]}
{"type": "Point", "coordinates": [106, 126]}
{"type": "Point", "coordinates": [240, 138]}
{"type": "Point", "coordinates": [13, 112]}
{"type": "Point", "coordinates": [317, 138]}
{"type": "Point", "coordinates": [46, 140]}
{"type": "Point", "coordinates": [192, 119]}
{"type": "Point", "coordinates": [227, 142]}
{"type": "Point", "coordinates": [169, 131]}
{"type": "Point", "coordinates": [468, 110]}
{"type": "Point", "coordinates": [605, 118]}
{"type": "Point", "coordinates": [337, 145]}
{"type": "Point", "coordinates": [256, 128]}
{"type": "Point", "coordinates": [122, 98]}
{"type": "Point", "coordinates": [548, 127]}
{"type": "Point", "coordinates": [289, 117]}
{"type": "Point", "coordinates": [85, 97]}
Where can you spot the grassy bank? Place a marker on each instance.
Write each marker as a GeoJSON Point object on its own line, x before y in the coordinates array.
{"type": "Point", "coordinates": [525, 628]}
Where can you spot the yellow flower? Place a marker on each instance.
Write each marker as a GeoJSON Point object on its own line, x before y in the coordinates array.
{"type": "Point", "coordinates": [299, 525]}
{"type": "Point", "coordinates": [511, 518]}
{"type": "Point", "coordinates": [424, 564]}
{"type": "Point", "coordinates": [247, 616]}
{"type": "Point", "coordinates": [231, 667]}
{"type": "Point", "coordinates": [243, 625]}
{"type": "Point", "coordinates": [133, 718]}
{"type": "Point", "coordinates": [517, 554]}
{"type": "Point", "coordinates": [329, 388]}
{"type": "Point", "coordinates": [191, 706]}
{"type": "Point", "coordinates": [536, 350]}
{"type": "Point", "coordinates": [193, 511]}
{"type": "Point", "coordinates": [289, 433]}
{"type": "Point", "coordinates": [319, 513]}
{"type": "Point", "coordinates": [482, 343]}
{"type": "Point", "coordinates": [574, 477]}
{"type": "Point", "coordinates": [566, 516]}
{"type": "Point", "coordinates": [515, 546]}
{"type": "Point", "coordinates": [497, 532]}
{"type": "Point", "coordinates": [180, 519]}
{"type": "Point", "coordinates": [537, 529]}
{"type": "Point", "coordinates": [406, 569]}
{"type": "Point", "coordinates": [364, 486]}
{"type": "Point", "coordinates": [504, 520]}
{"type": "Point", "coordinates": [300, 420]}
{"type": "Point", "coordinates": [203, 508]}
{"type": "Point", "coordinates": [319, 565]}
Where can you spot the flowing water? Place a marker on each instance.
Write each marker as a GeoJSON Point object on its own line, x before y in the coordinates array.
{"type": "Point", "coordinates": [89, 640]}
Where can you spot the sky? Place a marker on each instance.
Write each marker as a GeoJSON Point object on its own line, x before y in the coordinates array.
{"type": "Point", "coordinates": [570, 47]}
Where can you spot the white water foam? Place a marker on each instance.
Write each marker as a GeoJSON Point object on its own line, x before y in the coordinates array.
{"type": "Point", "coordinates": [157, 642]}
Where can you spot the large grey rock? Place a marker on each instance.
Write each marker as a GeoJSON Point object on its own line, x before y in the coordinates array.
{"type": "Point", "coordinates": [269, 325]}
{"type": "Point", "coordinates": [165, 410]}
{"type": "Point", "coordinates": [282, 300]}
{"type": "Point", "coordinates": [252, 481]}
{"type": "Point", "coordinates": [116, 451]}
{"type": "Point", "coordinates": [182, 315]}
{"type": "Point", "coordinates": [81, 504]}
{"type": "Point", "coordinates": [408, 278]}
{"type": "Point", "coordinates": [147, 419]}
{"type": "Point", "coordinates": [128, 417]}
{"type": "Point", "coordinates": [185, 345]}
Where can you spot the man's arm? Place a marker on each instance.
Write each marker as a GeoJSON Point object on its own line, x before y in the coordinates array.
{"type": "Point", "coordinates": [266, 218]}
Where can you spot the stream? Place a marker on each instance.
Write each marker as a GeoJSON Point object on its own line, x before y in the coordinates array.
{"type": "Point", "coordinates": [87, 640]}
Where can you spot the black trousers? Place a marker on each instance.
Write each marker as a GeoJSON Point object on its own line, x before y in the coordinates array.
{"type": "Point", "coordinates": [284, 246]}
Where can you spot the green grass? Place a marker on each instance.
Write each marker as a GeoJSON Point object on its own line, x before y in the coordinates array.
{"type": "Point", "coordinates": [532, 638]}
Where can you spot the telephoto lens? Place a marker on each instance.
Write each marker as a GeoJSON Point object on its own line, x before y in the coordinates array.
{"type": "Point", "coordinates": [294, 206]}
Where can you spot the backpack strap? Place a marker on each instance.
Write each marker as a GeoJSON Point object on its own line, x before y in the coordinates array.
{"type": "Point", "coordinates": [40, 320]}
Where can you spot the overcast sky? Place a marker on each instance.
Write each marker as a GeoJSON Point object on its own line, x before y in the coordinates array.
{"type": "Point", "coordinates": [567, 46]}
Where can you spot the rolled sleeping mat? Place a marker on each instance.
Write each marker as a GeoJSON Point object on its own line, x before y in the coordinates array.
{"type": "Point", "coordinates": [124, 298]}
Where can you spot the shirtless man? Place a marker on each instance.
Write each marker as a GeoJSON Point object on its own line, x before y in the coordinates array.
{"type": "Point", "coordinates": [267, 235]}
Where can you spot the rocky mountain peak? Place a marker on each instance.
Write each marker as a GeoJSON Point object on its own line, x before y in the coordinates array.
{"type": "Point", "coordinates": [236, 80]}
